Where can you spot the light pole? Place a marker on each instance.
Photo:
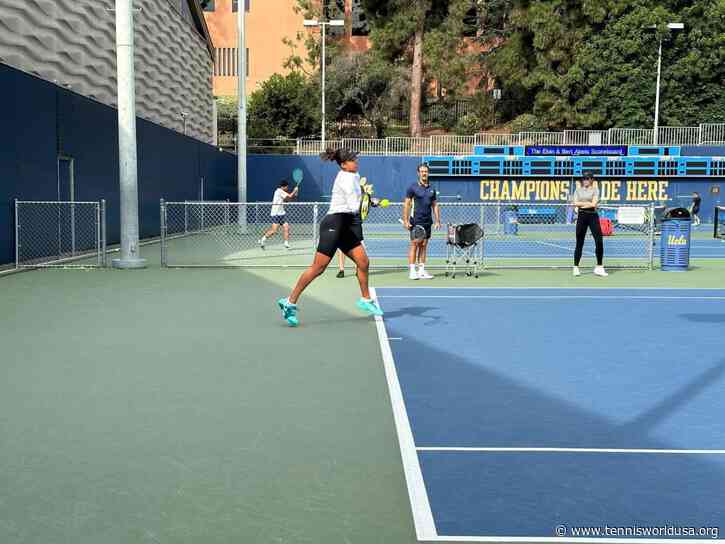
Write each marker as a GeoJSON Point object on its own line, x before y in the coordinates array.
{"type": "Point", "coordinates": [127, 153]}
{"type": "Point", "coordinates": [323, 25]}
{"type": "Point", "coordinates": [672, 27]}
{"type": "Point", "coordinates": [496, 97]}
{"type": "Point", "coordinates": [242, 115]}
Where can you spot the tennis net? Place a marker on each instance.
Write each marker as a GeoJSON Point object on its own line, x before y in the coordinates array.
{"type": "Point", "coordinates": [516, 235]}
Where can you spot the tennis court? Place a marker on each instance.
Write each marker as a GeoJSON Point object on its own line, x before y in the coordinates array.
{"type": "Point", "coordinates": [169, 405]}
{"type": "Point", "coordinates": [531, 413]}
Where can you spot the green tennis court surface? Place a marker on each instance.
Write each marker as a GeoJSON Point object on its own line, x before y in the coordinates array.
{"type": "Point", "coordinates": [175, 406]}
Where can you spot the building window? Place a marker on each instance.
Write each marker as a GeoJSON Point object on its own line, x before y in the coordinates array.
{"type": "Point", "coordinates": [359, 20]}
{"type": "Point", "coordinates": [334, 9]}
{"type": "Point", "coordinates": [235, 5]}
{"type": "Point", "coordinates": [207, 5]}
{"type": "Point", "coordinates": [225, 62]}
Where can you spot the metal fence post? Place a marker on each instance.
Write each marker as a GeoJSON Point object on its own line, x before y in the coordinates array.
{"type": "Point", "coordinates": [163, 232]}
{"type": "Point", "coordinates": [99, 259]}
{"type": "Point", "coordinates": [104, 234]}
{"type": "Point", "coordinates": [226, 213]}
{"type": "Point", "coordinates": [315, 212]}
{"type": "Point", "coordinates": [651, 236]}
{"type": "Point", "coordinates": [186, 217]}
{"type": "Point", "coordinates": [17, 236]}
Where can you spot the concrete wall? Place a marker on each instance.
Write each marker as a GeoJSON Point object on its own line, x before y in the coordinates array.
{"type": "Point", "coordinates": [72, 44]}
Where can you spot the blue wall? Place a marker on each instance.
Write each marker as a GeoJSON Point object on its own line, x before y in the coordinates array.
{"type": "Point", "coordinates": [40, 121]}
{"type": "Point", "coordinates": [389, 175]}
{"type": "Point", "coordinates": [392, 175]}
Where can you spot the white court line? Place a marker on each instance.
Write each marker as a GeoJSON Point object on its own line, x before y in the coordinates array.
{"type": "Point", "coordinates": [571, 450]}
{"type": "Point", "coordinates": [560, 297]}
{"type": "Point", "coordinates": [581, 288]}
{"type": "Point", "coordinates": [422, 515]}
{"type": "Point", "coordinates": [570, 540]}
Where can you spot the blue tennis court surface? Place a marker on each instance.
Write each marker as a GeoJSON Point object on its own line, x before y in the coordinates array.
{"type": "Point", "coordinates": [520, 410]}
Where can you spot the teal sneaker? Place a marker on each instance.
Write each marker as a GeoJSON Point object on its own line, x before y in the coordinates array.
{"type": "Point", "coordinates": [289, 312]}
{"type": "Point", "coordinates": [369, 306]}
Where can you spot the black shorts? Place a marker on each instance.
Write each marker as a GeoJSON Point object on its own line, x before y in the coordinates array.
{"type": "Point", "coordinates": [341, 231]}
{"type": "Point", "coordinates": [427, 226]}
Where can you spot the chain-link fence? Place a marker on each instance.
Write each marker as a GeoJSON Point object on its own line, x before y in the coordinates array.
{"type": "Point", "coordinates": [516, 235]}
{"type": "Point", "coordinates": [60, 234]}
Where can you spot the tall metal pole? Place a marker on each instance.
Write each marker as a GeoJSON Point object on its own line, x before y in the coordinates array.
{"type": "Point", "coordinates": [324, 27]}
{"type": "Point", "coordinates": [242, 115]}
{"type": "Point", "coordinates": [127, 156]}
{"type": "Point", "coordinates": [657, 97]}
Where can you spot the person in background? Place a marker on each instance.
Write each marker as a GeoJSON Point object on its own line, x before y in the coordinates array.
{"type": "Point", "coordinates": [586, 200]}
{"type": "Point", "coordinates": [278, 213]}
{"type": "Point", "coordinates": [695, 208]}
{"type": "Point", "coordinates": [420, 208]}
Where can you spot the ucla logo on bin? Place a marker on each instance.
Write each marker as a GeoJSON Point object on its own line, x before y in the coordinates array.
{"type": "Point", "coordinates": [673, 240]}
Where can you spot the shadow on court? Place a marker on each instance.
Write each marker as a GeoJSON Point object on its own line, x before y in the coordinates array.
{"type": "Point", "coordinates": [453, 402]}
{"type": "Point", "coordinates": [171, 406]}
{"type": "Point", "coordinates": [704, 318]}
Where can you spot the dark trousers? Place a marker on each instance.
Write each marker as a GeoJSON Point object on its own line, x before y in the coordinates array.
{"type": "Point", "coordinates": [588, 220]}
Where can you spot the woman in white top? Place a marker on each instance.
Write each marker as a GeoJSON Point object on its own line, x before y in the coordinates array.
{"type": "Point", "coordinates": [586, 200]}
{"type": "Point", "coordinates": [278, 213]}
{"type": "Point", "coordinates": [340, 229]}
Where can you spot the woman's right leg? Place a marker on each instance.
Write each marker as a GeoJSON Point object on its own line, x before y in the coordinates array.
{"type": "Point", "coordinates": [361, 260]}
{"type": "Point", "coordinates": [272, 231]}
{"type": "Point", "coordinates": [330, 229]}
{"type": "Point", "coordinates": [596, 229]}
{"type": "Point", "coordinates": [317, 267]}
{"type": "Point", "coordinates": [581, 232]}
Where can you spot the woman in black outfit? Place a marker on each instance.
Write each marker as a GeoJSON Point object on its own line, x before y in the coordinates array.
{"type": "Point", "coordinates": [586, 200]}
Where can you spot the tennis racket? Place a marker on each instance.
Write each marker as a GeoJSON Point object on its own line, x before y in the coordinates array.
{"type": "Point", "coordinates": [364, 206]}
{"type": "Point", "coordinates": [418, 232]}
{"type": "Point", "coordinates": [298, 175]}
{"type": "Point", "coordinates": [367, 200]}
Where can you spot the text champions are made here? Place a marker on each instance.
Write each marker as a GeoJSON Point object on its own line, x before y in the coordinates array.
{"type": "Point", "coordinates": [560, 190]}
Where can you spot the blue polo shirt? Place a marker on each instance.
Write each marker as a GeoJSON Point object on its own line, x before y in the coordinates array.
{"type": "Point", "coordinates": [423, 198]}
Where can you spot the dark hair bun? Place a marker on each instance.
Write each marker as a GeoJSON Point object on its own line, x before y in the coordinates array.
{"type": "Point", "coordinates": [339, 155]}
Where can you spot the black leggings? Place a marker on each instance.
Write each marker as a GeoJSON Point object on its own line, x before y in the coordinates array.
{"type": "Point", "coordinates": [591, 220]}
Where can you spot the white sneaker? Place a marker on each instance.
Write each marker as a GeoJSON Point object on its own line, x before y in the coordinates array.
{"type": "Point", "coordinates": [261, 242]}
{"type": "Point", "coordinates": [423, 275]}
{"type": "Point", "coordinates": [577, 272]}
{"type": "Point", "coordinates": [286, 245]}
{"type": "Point", "coordinates": [599, 271]}
{"type": "Point", "coordinates": [413, 275]}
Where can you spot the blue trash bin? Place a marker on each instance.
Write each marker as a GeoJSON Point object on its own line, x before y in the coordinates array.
{"type": "Point", "coordinates": [510, 222]}
{"type": "Point", "coordinates": [675, 245]}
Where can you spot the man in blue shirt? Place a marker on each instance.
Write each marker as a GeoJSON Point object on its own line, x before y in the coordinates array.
{"type": "Point", "coordinates": [420, 208]}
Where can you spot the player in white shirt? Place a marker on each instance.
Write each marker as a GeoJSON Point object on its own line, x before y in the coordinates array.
{"type": "Point", "coordinates": [278, 213]}
{"type": "Point", "coordinates": [341, 229]}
